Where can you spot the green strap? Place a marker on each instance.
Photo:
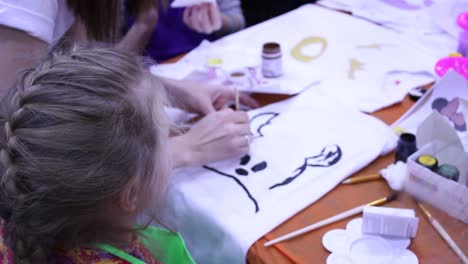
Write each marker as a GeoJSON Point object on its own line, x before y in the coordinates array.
{"type": "Point", "coordinates": [119, 253]}
{"type": "Point", "coordinates": [171, 247]}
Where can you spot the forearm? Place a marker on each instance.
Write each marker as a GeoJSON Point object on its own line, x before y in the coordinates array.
{"type": "Point", "coordinates": [232, 17]}
{"type": "Point", "coordinates": [231, 23]}
{"type": "Point", "coordinates": [181, 156]}
{"type": "Point", "coordinates": [136, 38]}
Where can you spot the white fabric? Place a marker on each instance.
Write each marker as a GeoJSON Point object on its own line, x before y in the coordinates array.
{"type": "Point", "coordinates": [46, 20]}
{"type": "Point", "coordinates": [422, 21]}
{"type": "Point", "coordinates": [391, 65]}
{"type": "Point", "coordinates": [214, 214]}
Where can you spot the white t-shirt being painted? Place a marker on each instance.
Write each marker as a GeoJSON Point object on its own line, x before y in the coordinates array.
{"type": "Point", "coordinates": [47, 20]}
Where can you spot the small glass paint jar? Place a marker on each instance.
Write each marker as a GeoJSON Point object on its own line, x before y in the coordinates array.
{"type": "Point", "coordinates": [428, 161]}
{"type": "Point", "coordinates": [406, 147]}
{"type": "Point", "coordinates": [240, 79]}
{"type": "Point", "coordinates": [449, 171]}
{"type": "Point", "coordinates": [272, 60]}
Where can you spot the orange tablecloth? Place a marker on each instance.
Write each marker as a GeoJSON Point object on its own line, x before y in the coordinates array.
{"type": "Point", "coordinates": [428, 245]}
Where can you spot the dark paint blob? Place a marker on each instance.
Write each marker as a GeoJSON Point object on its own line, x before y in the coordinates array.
{"type": "Point", "coordinates": [242, 172]}
{"type": "Point", "coordinates": [259, 167]}
{"type": "Point", "coordinates": [244, 160]}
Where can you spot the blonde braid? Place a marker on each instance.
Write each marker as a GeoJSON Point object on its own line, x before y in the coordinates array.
{"type": "Point", "coordinates": [74, 132]}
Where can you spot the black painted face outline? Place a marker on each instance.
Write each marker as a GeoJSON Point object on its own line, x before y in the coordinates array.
{"type": "Point", "coordinates": [243, 173]}
{"type": "Point", "coordinates": [258, 122]}
{"type": "Point", "coordinates": [329, 156]}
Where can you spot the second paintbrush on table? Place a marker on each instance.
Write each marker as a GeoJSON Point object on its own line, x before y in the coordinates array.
{"type": "Point", "coordinates": [359, 179]}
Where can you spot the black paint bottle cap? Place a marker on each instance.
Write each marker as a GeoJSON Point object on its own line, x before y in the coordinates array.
{"type": "Point", "coordinates": [406, 147]}
{"type": "Point", "coordinates": [449, 171]}
{"type": "Point", "coordinates": [428, 161]}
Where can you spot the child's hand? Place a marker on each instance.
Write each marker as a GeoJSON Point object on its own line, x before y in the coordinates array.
{"type": "Point", "coordinates": [218, 136]}
{"type": "Point", "coordinates": [204, 18]}
{"type": "Point", "coordinates": [204, 98]}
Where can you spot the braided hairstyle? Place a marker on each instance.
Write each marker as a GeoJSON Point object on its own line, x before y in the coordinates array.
{"type": "Point", "coordinates": [74, 132]}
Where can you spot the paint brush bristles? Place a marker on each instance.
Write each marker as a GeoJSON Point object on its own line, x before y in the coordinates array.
{"type": "Point", "coordinates": [331, 220]}
{"type": "Point", "coordinates": [359, 179]}
{"type": "Point", "coordinates": [438, 227]}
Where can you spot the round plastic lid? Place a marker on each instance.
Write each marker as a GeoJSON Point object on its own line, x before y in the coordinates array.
{"type": "Point", "coordinates": [371, 249]}
{"type": "Point", "coordinates": [337, 240]}
{"type": "Point", "coordinates": [338, 259]}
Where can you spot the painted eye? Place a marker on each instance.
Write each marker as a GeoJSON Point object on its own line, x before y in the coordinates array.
{"type": "Point", "coordinates": [259, 167]}
{"type": "Point", "coordinates": [242, 172]}
{"type": "Point", "coordinates": [244, 160]}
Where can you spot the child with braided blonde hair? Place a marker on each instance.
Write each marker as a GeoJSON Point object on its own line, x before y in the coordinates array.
{"type": "Point", "coordinates": [83, 151]}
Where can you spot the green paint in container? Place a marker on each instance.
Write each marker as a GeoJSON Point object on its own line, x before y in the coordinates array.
{"type": "Point", "coordinates": [449, 171]}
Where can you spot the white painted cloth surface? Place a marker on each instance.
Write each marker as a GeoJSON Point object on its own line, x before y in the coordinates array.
{"type": "Point", "coordinates": [428, 22]}
{"type": "Point", "coordinates": [311, 137]}
{"type": "Point", "coordinates": [358, 62]}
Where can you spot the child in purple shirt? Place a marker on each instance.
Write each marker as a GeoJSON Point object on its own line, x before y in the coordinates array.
{"type": "Point", "coordinates": [179, 30]}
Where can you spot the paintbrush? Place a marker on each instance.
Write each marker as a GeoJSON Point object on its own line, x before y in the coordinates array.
{"type": "Point", "coordinates": [438, 227]}
{"type": "Point", "coordinates": [359, 179]}
{"type": "Point", "coordinates": [331, 220]}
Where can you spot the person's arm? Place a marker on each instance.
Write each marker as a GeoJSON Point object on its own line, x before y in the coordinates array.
{"type": "Point", "coordinates": [232, 17]}
{"type": "Point", "coordinates": [18, 50]}
{"type": "Point", "coordinates": [140, 32]}
{"type": "Point", "coordinates": [222, 19]}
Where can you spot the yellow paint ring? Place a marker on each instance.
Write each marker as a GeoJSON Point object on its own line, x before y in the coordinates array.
{"type": "Point", "coordinates": [214, 62]}
{"type": "Point", "coordinates": [300, 56]}
{"type": "Point", "coordinates": [427, 160]}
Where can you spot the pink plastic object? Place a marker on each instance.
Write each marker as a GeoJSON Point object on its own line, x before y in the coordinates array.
{"type": "Point", "coordinates": [462, 20]}
{"type": "Point", "coordinates": [459, 64]}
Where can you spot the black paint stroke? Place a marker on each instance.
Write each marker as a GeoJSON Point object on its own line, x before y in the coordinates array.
{"type": "Point", "coordinates": [328, 157]}
{"type": "Point", "coordinates": [269, 116]}
{"type": "Point", "coordinates": [238, 182]}
{"type": "Point", "coordinates": [259, 167]}
{"type": "Point", "coordinates": [242, 172]}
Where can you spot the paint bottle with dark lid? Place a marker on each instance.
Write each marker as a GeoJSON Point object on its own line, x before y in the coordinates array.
{"type": "Point", "coordinates": [272, 60]}
{"type": "Point", "coordinates": [428, 161]}
{"type": "Point", "coordinates": [406, 147]}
